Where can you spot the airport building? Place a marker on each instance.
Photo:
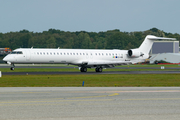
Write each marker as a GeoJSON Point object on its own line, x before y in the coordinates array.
{"type": "Point", "coordinates": [165, 50]}
{"type": "Point", "coordinates": [168, 57]}
{"type": "Point", "coordinates": [165, 47]}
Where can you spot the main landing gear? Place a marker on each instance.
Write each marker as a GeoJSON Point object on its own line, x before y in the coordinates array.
{"type": "Point", "coordinates": [83, 69]}
{"type": "Point", "coordinates": [98, 69]}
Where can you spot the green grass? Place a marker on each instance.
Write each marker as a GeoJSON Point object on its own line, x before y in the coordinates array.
{"type": "Point", "coordinates": [39, 69]}
{"type": "Point", "coordinates": [132, 80]}
{"type": "Point", "coordinates": [74, 70]}
{"type": "Point", "coordinates": [129, 68]}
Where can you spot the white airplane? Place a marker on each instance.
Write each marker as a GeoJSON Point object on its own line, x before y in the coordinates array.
{"type": "Point", "coordinates": [84, 58]}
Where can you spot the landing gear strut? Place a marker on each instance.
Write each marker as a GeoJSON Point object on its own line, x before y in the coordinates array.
{"type": "Point", "coordinates": [13, 66]}
{"type": "Point", "coordinates": [98, 69]}
{"type": "Point", "coordinates": [83, 69]}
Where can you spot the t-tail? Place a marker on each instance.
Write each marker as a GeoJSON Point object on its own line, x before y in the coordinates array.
{"type": "Point", "coordinates": [146, 46]}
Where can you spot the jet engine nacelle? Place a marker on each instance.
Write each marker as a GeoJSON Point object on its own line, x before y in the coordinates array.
{"type": "Point", "coordinates": [134, 53]}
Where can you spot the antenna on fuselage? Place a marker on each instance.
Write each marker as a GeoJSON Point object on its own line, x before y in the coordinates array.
{"type": "Point", "coordinates": [58, 47]}
{"type": "Point", "coordinates": [32, 47]}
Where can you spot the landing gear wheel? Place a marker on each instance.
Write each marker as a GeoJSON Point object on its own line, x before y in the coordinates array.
{"type": "Point", "coordinates": [98, 69]}
{"type": "Point", "coordinates": [83, 69]}
{"type": "Point", "coordinates": [12, 68]}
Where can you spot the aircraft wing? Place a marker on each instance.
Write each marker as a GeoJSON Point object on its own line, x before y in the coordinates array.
{"type": "Point", "coordinates": [102, 63]}
{"type": "Point", "coordinates": [109, 62]}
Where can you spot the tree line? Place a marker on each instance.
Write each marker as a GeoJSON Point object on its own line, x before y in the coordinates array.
{"type": "Point", "coordinates": [53, 38]}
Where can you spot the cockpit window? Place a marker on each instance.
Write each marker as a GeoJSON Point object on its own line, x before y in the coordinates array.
{"type": "Point", "coordinates": [13, 52]}
{"type": "Point", "coordinates": [17, 52]}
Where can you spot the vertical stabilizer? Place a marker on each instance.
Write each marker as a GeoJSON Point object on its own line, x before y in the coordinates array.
{"type": "Point", "coordinates": [148, 42]}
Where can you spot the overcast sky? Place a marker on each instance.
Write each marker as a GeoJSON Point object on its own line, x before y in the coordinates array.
{"type": "Point", "coordinates": [89, 15]}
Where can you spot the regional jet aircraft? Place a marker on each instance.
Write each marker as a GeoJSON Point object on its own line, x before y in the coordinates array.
{"type": "Point", "coordinates": [84, 58]}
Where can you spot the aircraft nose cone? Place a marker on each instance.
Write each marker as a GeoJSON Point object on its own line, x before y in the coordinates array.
{"type": "Point", "coordinates": [5, 59]}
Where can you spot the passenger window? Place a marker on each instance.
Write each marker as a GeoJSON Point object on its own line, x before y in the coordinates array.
{"type": "Point", "coordinates": [64, 53]}
{"type": "Point", "coordinates": [71, 53]}
{"type": "Point", "coordinates": [113, 54]}
{"type": "Point", "coordinates": [67, 53]}
{"type": "Point", "coordinates": [77, 53]}
{"type": "Point", "coordinates": [83, 53]}
{"type": "Point", "coordinates": [57, 53]}
{"type": "Point", "coordinates": [106, 54]}
{"type": "Point", "coordinates": [47, 53]}
{"type": "Point", "coordinates": [102, 54]}
{"type": "Point", "coordinates": [38, 53]}
{"type": "Point", "coordinates": [61, 53]}
{"type": "Point", "coordinates": [99, 53]}
{"type": "Point", "coordinates": [109, 53]}
{"type": "Point", "coordinates": [51, 53]}
{"type": "Point", "coordinates": [96, 53]}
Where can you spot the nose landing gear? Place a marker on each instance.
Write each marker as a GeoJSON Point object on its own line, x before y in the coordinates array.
{"type": "Point", "coordinates": [12, 67]}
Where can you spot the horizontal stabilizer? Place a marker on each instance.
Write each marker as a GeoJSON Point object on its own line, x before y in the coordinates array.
{"type": "Point", "coordinates": [151, 37]}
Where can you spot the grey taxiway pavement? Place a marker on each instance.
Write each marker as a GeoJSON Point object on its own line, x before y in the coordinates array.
{"type": "Point", "coordinates": [87, 103]}
{"type": "Point", "coordinates": [91, 73]}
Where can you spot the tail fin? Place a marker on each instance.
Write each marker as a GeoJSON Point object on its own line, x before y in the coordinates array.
{"type": "Point", "coordinates": [148, 42]}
